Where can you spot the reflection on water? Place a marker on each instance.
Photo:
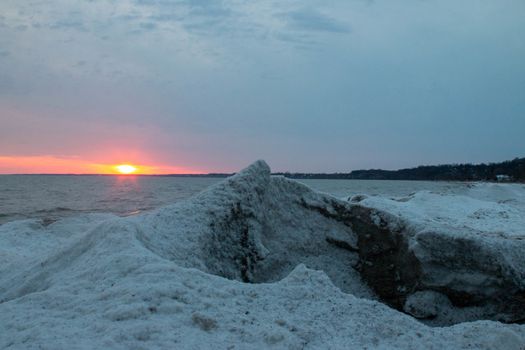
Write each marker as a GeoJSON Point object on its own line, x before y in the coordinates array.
{"type": "Point", "coordinates": [52, 197]}
{"type": "Point", "coordinates": [55, 196]}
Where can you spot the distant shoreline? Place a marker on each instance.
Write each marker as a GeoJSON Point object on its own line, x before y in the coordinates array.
{"type": "Point", "coordinates": [294, 177]}
{"type": "Point", "coordinates": [512, 171]}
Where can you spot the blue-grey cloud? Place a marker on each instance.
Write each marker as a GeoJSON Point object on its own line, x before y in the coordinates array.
{"type": "Point", "coordinates": [21, 27]}
{"type": "Point", "coordinates": [148, 25]}
{"type": "Point", "coordinates": [210, 8]}
{"type": "Point", "coordinates": [67, 23]}
{"type": "Point", "coordinates": [6, 84]}
{"type": "Point", "coordinates": [309, 19]}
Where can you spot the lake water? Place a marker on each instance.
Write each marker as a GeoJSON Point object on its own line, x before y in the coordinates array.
{"type": "Point", "coordinates": [54, 197]}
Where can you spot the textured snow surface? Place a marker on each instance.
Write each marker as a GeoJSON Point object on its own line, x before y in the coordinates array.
{"type": "Point", "coordinates": [173, 279]}
{"type": "Point", "coordinates": [469, 245]}
{"type": "Point", "coordinates": [497, 209]}
{"type": "Point", "coordinates": [485, 225]}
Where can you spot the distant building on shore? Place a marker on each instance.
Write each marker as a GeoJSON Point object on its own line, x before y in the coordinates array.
{"type": "Point", "coordinates": [503, 178]}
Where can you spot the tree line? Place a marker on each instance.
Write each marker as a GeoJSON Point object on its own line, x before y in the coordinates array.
{"type": "Point", "coordinates": [511, 170]}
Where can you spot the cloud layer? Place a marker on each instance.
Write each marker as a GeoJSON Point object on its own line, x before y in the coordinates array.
{"type": "Point", "coordinates": [307, 85]}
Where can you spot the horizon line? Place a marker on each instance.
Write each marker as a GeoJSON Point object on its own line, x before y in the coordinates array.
{"type": "Point", "coordinates": [226, 174]}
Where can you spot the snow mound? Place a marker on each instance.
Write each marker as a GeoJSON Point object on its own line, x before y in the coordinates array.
{"type": "Point", "coordinates": [255, 228]}
{"type": "Point", "coordinates": [175, 278]}
{"type": "Point", "coordinates": [513, 194]}
{"type": "Point", "coordinates": [487, 214]}
{"type": "Point", "coordinates": [32, 238]}
{"type": "Point", "coordinates": [469, 246]}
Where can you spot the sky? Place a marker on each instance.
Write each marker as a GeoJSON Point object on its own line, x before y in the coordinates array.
{"type": "Point", "coordinates": [188, 86]}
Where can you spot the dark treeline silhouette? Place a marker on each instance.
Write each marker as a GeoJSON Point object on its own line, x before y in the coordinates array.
{"type": "Point", "coordinates": [512, 170]}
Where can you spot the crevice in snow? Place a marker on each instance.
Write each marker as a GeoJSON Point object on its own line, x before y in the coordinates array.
{"type": "Point", "coordinates": [233, 231]}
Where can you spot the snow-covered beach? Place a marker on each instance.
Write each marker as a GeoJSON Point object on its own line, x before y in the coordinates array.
{"type": "Point", "coordinates": [257, 262]}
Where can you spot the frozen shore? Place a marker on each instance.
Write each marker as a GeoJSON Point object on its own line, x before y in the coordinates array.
{"type": "Point", "coordinates": [257, 261]}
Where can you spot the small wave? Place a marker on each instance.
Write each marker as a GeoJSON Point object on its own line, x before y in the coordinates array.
{"type": "Point", "coordinates": [48, 221]}
{"type": "Point", "coordinates": [131, 213]}
{"type": "Point", "coordinates": [56, 209]}
{"type": "Point", "coordinates": [138, 211]}
{"type": "Point", "coordinates": [7, 217]}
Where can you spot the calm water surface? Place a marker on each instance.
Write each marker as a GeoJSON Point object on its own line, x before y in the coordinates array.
{"type": "Point", "coordinates": [54, 197]}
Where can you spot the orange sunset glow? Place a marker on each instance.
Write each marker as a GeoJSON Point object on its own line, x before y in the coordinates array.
{"type": "Point", "coordinates": [74, 165]}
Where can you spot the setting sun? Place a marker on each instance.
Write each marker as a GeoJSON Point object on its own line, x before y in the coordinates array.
{"type": "Point", "coordinates": [126, 169]}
